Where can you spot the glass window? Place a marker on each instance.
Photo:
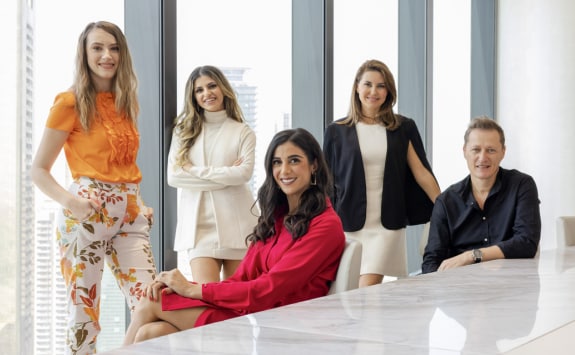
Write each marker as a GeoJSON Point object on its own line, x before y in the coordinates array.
{"type": "Point", "coordinates": [10, 179]}
{"type": "Point", "coordinates": [253, 50]}
{"type": "Point", "coordinates": [451, 88]}
{"type": "Point", "coordinates": [255, 53]}
{"type": "Point", "coordinates": [363, 29]}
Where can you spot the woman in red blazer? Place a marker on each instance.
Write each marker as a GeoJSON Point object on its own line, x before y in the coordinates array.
{"type": "Point", "coordinates": [293, 255]}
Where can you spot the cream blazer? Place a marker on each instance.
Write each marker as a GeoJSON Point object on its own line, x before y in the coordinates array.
{"type": "Point", "coordinates": [227, 186]}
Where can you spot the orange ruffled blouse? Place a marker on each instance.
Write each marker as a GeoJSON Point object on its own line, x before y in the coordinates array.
{"type": "Point", "coordinates": [108, 151]}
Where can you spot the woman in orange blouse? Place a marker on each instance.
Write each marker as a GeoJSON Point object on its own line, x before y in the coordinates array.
{"type": "Point", "coordinates": [103, 217]}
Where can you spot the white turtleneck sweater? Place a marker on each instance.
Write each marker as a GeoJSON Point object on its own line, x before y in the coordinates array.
{"type": "Point", "coordinates": [213, 176]}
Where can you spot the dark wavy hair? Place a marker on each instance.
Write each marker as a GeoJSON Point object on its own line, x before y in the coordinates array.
{"type": "Point", "coordinates": [273, 201]}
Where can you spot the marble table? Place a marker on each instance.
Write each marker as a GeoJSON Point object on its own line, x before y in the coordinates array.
{"type": "Point", "coordinates": [523, 306]}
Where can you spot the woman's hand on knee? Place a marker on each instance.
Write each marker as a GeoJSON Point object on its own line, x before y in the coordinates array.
{"type": "Point", "coordinates": [176, 282]}
{"type": "Point", "coordinates": [154, 290]}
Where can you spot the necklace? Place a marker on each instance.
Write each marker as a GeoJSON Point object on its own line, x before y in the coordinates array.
{"type": "Point", "coordinates": [368, 120]}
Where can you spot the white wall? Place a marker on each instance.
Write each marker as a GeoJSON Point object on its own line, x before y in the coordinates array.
{"type": "Point", "coordinates": [536, 100]}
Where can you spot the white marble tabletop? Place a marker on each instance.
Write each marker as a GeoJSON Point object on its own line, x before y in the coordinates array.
{"type": "Point", "coordinates": [504, 306]}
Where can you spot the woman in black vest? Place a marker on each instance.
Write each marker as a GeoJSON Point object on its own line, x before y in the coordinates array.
{"type": "Point", "coordinates": [383, 180]}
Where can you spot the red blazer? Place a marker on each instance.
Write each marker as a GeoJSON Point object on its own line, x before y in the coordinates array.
{"type": "Point", "coordinates": [278, 272]}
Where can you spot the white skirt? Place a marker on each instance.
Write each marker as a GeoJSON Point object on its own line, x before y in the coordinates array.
{"type": "Point", "coordinates": [207, 238]}
{"type": "Point", "coordinates": [384, 252]}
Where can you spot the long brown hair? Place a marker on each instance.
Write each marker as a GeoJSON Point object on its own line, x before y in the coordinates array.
{"type": "Point", "coordinates": [385, 115]}
{"type": "Point", "coordinates": [189, 123]}
{"type": "Point", "coordinates": [125, 83]}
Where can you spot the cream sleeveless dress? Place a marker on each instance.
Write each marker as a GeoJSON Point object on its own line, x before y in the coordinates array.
{"type": "Point", "coordinates": [384, 251]}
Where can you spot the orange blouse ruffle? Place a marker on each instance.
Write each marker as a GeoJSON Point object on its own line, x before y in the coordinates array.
{"type": "Point", "coordinates": [108, 151]}
{"type": "Point", "coordinates": [121, 133]}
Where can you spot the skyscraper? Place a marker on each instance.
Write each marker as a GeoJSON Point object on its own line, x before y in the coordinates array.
{"type": "Point", "coordinates": [50, 295]}
{"type": "Point", "coordinates": [16, 189]}
{"type": "Point", "coordinates": [247, 99]}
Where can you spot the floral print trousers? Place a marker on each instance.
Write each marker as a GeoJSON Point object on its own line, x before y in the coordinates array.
{"type": "Point", "coordinates": [117, 234]}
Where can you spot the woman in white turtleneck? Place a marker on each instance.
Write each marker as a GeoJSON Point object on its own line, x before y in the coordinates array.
{"type": "Point", "coordinates": [211, 162]}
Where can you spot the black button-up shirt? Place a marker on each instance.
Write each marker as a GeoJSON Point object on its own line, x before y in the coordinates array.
{"type": "Point", "coordinates": [510, 219]}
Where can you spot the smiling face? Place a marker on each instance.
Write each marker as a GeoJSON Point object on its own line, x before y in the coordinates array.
{"type": "Point", "coordinates": [208, 94]}
{"type": "Point", "coordinates": [292, 172]}
{"type": "Point", "coordinates": [103, 57]}
{"type": "Point", "coordinates": [372, 92]}
{"type": "Point", "coordinates": [483, 152]}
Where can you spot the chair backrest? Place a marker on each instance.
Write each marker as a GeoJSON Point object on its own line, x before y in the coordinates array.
{"type": "Point", "coordinates": [423, 239]}
{"type": "Point", "coordinates": [347, 277]}
{"type": "Point", "coordinates": [565, 231]}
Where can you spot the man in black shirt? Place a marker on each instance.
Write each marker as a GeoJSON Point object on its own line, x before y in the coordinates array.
{"type": "Point", "coordinates": [491, 214]}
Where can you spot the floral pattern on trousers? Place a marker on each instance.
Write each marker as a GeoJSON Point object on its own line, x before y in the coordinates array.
{"type": "Point", "coordinates": [118, 234]}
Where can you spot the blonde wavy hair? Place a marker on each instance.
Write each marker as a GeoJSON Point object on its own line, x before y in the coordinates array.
{"type": "Point", "coordinates": [385, 115]}
{"type": "Point", "coordinates": [124, 86]}
{"type": "Point", "coordinates": [189, 123]}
